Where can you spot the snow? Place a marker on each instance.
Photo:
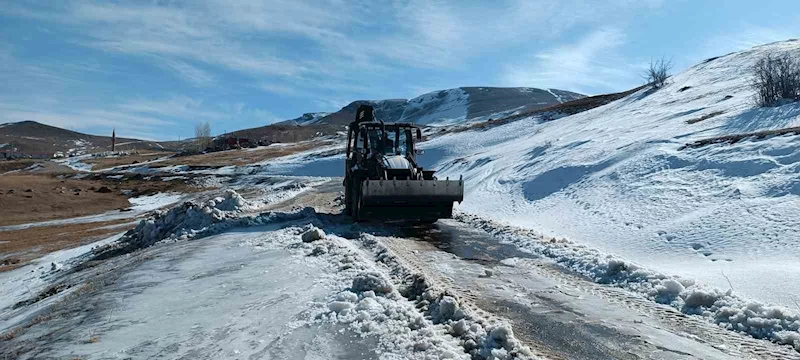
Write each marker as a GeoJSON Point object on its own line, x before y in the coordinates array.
{"type": "Point", "coordinates": [438, 107]}
{"type": "Point", "coordinates": [615, 179]}
{"type": "Point", "coordinates": [155, 201]}
{"type": "Point", "coordinates": [311, 118]}
{"type": "Point", "coordinates": [76, 163]}
{"type": "Point", "coordinates": [724, 308]}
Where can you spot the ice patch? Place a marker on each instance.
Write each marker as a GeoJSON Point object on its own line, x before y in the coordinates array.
{"type": "Point", "coordinates": [155, 201]}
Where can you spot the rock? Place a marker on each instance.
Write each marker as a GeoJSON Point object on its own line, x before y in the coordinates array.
{"type": "Point", "coordinates": [103, 190]}
{"type": "Point", "coordinates": [29, 190]}
{"type": "Point", "coordinates": [313, 235]}
{"type": "Point", "coordinates": [11, 191]}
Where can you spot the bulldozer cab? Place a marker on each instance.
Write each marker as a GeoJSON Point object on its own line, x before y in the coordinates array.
{"type": "Point", "coordinates": [393, 139]}
{"type": "Point", "coordinates": [368, 136]}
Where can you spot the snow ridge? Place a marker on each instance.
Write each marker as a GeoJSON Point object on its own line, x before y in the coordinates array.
{"type": "Point", "coordinates": [409, 315]}
{"type": "Point", "coordinates": [194, 219]}
{"type": "Point", "coordinates": [724, 308]}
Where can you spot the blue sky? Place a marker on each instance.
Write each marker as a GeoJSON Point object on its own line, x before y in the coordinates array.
{"type": "Point", "coordinates": [153, 69]}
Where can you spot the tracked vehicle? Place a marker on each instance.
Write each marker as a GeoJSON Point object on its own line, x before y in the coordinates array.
{"type": "Point", "coordinates": [383, 179]}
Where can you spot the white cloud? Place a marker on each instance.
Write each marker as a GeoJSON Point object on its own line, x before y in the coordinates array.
{"type": "Point", "coordinates": [126, 124]}
{"type": "Point", "coordinates": [591, 62]}
{"type": "Point", "coordinates": [175, 106]}
{"type": "Point", "coordinates": [192, 74]}
{"type": "Point", "coordinates": [328, 51]}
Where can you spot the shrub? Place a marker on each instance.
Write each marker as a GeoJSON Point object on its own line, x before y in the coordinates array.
{"type": "Point", "coordinates": [658, 72]}
{"type": "Point", "coordinates": [776, 79]}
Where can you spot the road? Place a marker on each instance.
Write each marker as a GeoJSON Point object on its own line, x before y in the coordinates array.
{"type": "Point", "coordinates": [260, 292]}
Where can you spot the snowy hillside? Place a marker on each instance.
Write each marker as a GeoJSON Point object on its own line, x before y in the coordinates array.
{"type": "Point", "coordinates": [616, 178]}
{"type": "Point", "coordinates": [308, 118]}
{"type": "Point", "coordinates": [465, 104]}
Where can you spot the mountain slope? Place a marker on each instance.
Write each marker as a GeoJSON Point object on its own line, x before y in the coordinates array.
{"type": "Point", "coordinates": [618, 178]}
{"type": "Point", "coordinates": [464, 104]}
{"type": "Point", "coordinates": [33, 138]}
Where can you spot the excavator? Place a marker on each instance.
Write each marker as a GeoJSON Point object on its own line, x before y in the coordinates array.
{"type": "Point", "coordinates": [383, 180]}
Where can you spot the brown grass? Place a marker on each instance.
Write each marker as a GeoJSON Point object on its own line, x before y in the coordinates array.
{"type": "Point", "coordinates": [11, 165]}
{"type": "Point", "coordinates": [28, 244]}
{"type": "Point", "coordinates": [52, 198]}
{"type": "Point", "coordinates": [704, 117]}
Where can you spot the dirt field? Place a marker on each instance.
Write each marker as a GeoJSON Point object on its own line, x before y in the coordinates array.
{"type": "Point", "coordinates": [20, 246]}
{"type": "Point", "coordinates": [11, 165]}
{"type": "Point", "coordinates": [29, 198]}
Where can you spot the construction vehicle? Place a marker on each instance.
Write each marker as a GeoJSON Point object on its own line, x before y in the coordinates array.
{"type": "Point", "coordinates": [383, 179]}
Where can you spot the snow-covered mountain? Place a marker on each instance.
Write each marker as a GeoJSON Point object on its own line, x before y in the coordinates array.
{"type": "Point", "coordinates": [618, 178]}
{"type": "Point", "coordinates": [464, 104]}
{"type": "Point", "coordinates": [308, 118]}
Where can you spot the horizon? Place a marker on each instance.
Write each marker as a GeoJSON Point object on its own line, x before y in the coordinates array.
{"type": "Point", "coordinates": [153, 71]}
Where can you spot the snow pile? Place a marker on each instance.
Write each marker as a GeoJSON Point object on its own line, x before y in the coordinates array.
{"type": "Point", "coordinates": [375, 301]}
{"type": "Point", "coordinates": [232, 201]}
{"type": "Point", "coordinates": [194, 219]}
{"type": "Point", "coordinates": [724, 308]}
{"type": "Point", "coordinates": [478, 336]}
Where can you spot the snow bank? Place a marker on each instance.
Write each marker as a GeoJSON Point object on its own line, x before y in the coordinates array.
{"type": "Point", "coordinates": [724, 308]}
{"type": "Point", "coordinates": [194, 219]}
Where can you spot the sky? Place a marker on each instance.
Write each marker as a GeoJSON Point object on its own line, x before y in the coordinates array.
{"type": "Point", "coordinates": [154, 69]}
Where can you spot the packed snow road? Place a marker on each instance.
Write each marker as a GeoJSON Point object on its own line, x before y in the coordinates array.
{"type": "Point", "coordinates": [289, 277]}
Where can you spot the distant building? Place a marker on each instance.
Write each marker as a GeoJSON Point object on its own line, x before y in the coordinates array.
{"type": "Point", "coordinates": [229, 142]}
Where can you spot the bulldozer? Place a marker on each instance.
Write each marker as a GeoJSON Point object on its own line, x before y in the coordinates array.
{"type": "Point", "coordinates": [383, 179]}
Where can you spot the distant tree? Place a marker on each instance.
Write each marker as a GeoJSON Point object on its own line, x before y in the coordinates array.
{"type": "Point", "coordinates": [776, 79]}
{"type": "Point", "coordinates": [202, 134]}
{"type": "Point", "coordinates": [658, 72]}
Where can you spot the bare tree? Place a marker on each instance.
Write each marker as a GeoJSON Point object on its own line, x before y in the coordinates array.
{"type": "Point", "coordinates": [776, 79]}
{"type": "Point", "coordinates": [658, 72]}
{"type": "Point", "coordinates": [202, 134]}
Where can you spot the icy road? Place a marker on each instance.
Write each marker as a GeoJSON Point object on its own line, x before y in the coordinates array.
{"type": "Point", "coordinates": [281, 274]}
